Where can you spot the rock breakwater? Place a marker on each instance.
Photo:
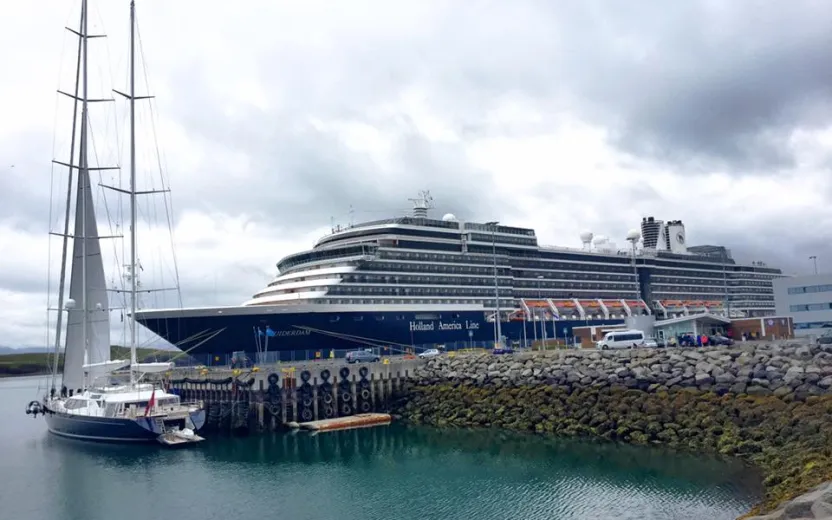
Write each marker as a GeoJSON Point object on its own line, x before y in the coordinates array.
{"type": "Point", "coordinates": [792, 370]}
{"type": "Point", "coordinates": [769, 404]}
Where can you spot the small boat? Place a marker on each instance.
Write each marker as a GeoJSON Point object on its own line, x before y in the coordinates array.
{"type": "Point", "coordinates": [95, 402]}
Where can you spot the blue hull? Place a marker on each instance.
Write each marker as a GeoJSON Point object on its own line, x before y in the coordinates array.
{"type": "Point", "coordinates": [302, 335]}
{"type": "Point", "coordinates": [102, 429]}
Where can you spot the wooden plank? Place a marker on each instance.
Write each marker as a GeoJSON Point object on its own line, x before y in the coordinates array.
{"type": "Point", "coordinates": [353, 421]}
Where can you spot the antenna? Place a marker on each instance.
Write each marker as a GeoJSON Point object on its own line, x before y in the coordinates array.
{"type": "Point", "coordinates": [422, 204]}
{"type": "Point", "coordinates": [131, 97]}
{"type": "Point", "coordinates": [65, 244]}
{"type": "Point", "coordinates": [352, 214]}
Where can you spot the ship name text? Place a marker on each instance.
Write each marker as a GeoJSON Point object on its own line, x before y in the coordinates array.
{"type": "Point", "coordinates": [417, 326]}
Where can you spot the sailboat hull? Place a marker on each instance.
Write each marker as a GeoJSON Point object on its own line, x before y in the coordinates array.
{"type": "Point", "coordinates": [98, 428]}
{"type": "Point", "coordinates": [108, 429]}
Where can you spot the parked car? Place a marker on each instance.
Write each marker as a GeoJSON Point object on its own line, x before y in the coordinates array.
{"type": "Point", "coordinates": [362, 356]}
{"type": "Point", "coordinates": [651, 343]}
{"type": "Point", "coordinates": [719, 339]}
{"type": "Point", "coordinates": [686, 340]}
{"type": "Point", "coordinates": [429, 353]}
{"type": "Point", "coordinates": [502, 350]}
{"type": "Point", "coordinates": [825, 338]}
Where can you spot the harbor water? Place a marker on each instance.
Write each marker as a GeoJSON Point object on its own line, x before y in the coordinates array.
{"type": "Point", "coordinates": [375, 473]}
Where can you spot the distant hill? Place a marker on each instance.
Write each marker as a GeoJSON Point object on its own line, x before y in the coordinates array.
{"type": "Point", "coordinates": [43, 350]}
{"type": "Point", "coordinates": [22, 350]}
{"type": "Point", "coordinates": [21, 362]}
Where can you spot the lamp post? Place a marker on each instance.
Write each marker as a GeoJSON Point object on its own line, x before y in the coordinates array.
{"type": "Point", "coordinates": [543, 320]}
{"type": "Point", "coordinates": [498, 333]}
{"type": "Point", "coordinates": [633, 237]}
{"type": "Point", "coordinates": [525, 341]}
{"type": "Point", "coordinates": [814, 260]}
{"type": "Point", "coordinates": [534, 314]}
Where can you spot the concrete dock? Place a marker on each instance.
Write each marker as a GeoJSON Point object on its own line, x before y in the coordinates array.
{"type": "Point", "coordinates": [272, 397]}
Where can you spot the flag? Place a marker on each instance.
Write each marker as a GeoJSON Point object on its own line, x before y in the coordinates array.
{"type": "Point", "coordinates": [269, 332]}
{"type": "Point", "coordinates": [151, 403]}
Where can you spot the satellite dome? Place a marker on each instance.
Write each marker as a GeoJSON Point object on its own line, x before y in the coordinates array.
{"type": "Point", "coordinates": [449, 217]}
{"type": "Point", "coordinates": [70, 304]}
{"type": "Point", "coordinates": [586, 236]}
{"type": "Point", "coordinates": [633, 234]}
{"type": "Point", "coordinates": [599, 239]}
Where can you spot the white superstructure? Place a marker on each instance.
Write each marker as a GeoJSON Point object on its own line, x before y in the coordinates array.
{"type": "Point", "coordinates": [418, 260]}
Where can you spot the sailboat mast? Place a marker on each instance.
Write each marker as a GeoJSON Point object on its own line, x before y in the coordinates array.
{"type": "Point", "coordinates": [132, 190]}
{"type": "Point", "coordinates": [65, 245]}
{"type": "Point", "coordinates": [83, 180]}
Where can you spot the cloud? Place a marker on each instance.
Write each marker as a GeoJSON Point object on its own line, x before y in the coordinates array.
{"type": "Point", "coordinates": [277, 120]}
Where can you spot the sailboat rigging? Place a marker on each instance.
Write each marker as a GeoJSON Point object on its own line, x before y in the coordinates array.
{"type": "Point", "coordinates": [86, 408]}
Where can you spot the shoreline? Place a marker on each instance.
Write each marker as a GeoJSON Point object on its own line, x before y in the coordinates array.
{"type": "Point", "coordinates": [37, 374]}
{"type": "Point", "coordinates": [768, 405]}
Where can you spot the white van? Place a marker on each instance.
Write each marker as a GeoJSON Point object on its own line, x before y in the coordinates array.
{"type": "Point", "coordinates": [621, 339]}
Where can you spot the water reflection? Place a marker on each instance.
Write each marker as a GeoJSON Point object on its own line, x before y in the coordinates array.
{"type": "Point", "coordinates": [385, 472]}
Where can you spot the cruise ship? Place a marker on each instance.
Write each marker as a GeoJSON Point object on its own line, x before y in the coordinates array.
{"type": "Point", "coordinates": [415, 281]}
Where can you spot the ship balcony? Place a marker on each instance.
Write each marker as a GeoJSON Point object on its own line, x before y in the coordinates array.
{"type": "Point", "coordinates": [319, 284]}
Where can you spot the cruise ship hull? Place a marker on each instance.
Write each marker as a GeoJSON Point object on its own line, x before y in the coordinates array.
{"type": "Point", "coordinates": [307, 334]}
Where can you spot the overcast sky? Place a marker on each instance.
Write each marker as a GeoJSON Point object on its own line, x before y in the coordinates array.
{"type": "Point", "coordinates": [275, 117]}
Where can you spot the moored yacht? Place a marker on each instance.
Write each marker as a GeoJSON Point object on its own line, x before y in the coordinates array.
{"type": "Point", "coordinates": [92, 404]}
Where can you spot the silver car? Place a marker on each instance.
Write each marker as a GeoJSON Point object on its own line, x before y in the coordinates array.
{"type": "Point", "coordinates": [362, 356]}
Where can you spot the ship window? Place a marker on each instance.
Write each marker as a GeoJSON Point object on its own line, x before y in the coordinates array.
{"type": "Point", "coordinates": [111, 409]}
{"type": "Point", "coordinates": [75, 404]}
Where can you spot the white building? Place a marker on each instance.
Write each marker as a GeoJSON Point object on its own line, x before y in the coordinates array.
{"type": "Point", "coordinates": [808, 300]}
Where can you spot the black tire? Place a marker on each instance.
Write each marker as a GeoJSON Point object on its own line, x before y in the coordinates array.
{"type": "Point", "coordinates": [365, 394]}
{"type": "Point", "coordinates": [345, 397]}
{"type": "Point", "coordinates": [325, 375]}
{"type": "Point", "coordinates": [346, 409]}
{"type": "Point", "coordinates": [273, 379]}
{"type": "Point", "coordinates": [366, 406]}
{"type": "Point", "coordinates": [329, 412]}
{"type": "Point", "coordinates": [376, 359]}
{"type": "Point", "coordinates": [306, 414]}
{"type": "Point", "coordinates": [307, 402]}
{"type": "Point", "coordinates": [344, 372]}
{"type": "Point", "coordinates": [305, 376]}
{"type": "Point", "coordinates": [327, 398]}
{"type": "Point", "coordinates": [363, 371]}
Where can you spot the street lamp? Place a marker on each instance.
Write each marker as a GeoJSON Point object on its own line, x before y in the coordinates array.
{"type": "Point", "coordinates": [543, 318]}
{"type": "Point", "coordinates": [633, 237]}
{"type": "Point", "coordinates": [814, 260]}
{"type": "Point", "coordinates": [498, 333]}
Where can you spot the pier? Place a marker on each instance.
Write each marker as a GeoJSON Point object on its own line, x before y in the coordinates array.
{"type": "Point", "coordinates": [280, 396]}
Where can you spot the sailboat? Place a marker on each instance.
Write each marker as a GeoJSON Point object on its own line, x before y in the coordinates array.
{"type": "Point", "coordinates": [92, 404]}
